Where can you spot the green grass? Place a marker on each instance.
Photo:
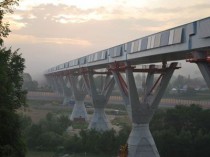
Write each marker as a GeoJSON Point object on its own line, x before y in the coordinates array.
{"type": "Point", "coordinates": [121, 121]}
{"type": "Point", "coordinates": [42, 102]}
{"type": "Point", "coordinates": [80, 125]}
{"type": "Point", "coordinates": [113, 112]}
{"type": "Point", "coordinates": [120, 107]}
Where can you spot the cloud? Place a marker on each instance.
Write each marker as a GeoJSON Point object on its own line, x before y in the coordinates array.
{"type": "Point", "coordinates": [33, 39]}
{"type": "Point", "coordinates": [54, 31]}
{"type": "Point", "coordinates": [67, 14]}
{"type": "Point", "coordinates": [14, 25]}
{"type": "Point", "coordinates": [99, 27]}
{"type": "Point", "coordinates": [90, 4]}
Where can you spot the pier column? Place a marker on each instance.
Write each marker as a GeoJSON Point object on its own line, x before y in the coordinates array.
{"type": "Point", "coordinates": [122, 85]}
{"type": "Point", "coordinates": [67, 93]}
{"type": "Point", "coordinates": [79, 112]}
{"type": "Point", "coordinates": [51, 82]}
{"type": "Point", "coordinates": [99, 120]}
{"type": "Point", "coordinates": [203, 61]}
{"type": "Point", "coordinates": [57, 84]}
{"type": "Point", "coordinates": [140, 141]}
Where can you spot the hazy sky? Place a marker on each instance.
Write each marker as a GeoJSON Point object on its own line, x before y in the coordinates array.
{"type": "Point", "coordinates": [50, 32]}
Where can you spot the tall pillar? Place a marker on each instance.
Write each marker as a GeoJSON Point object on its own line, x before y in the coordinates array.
{"type": "Point", "coordinates": [140, 141]}
{"type": "Point", "coordinates": [123, 89]}
{"type": "Point", "coordinates": [66, 91]}
{"type": "Point", "coordinates": [203, 62]}
{"type": "Point", "coordinates": [53, 83]}
{"type": "Point", "coordinates": [99, 120]}
{"type": "Point", "coordinates": [57, 84]}
{"type": "Point", "coordinates": [79, 111]}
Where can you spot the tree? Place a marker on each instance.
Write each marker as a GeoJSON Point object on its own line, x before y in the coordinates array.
{"type": "Point", "coordinates": [179, 82]}
{"type": "Point", "coordinates": [5, 7]}
{"type": "Point", "coordinates": [28, 83]}
{"type": "Point", "coordinates": [12, 96]}
{"type": "Point", "coordinates": [182, 131]}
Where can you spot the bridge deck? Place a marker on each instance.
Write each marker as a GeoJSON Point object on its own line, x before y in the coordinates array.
{"type": "Point", "coordinates": [169, 45]}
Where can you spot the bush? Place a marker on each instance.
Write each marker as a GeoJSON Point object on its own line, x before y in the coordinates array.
{"type": "Point", "coordinates": [48, 133]}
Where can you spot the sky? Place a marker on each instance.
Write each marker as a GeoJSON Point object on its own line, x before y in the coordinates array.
{"type": "Point", "coordinates": [50, 32]}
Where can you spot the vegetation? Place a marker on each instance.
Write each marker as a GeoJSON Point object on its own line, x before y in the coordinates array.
{"type": "Point", "coordinates": [12, 96]}
{"type": "Point", "coordinates": [39, 154]}
{"type": "Point", "coordinates": [182, 87]}
{"type": "Point", "coordinates": [5, 7]}
{"type": "Point", "coordinates": [28, 83]}
{"type": "Point", "coordinates": [181, 131]}
{"type": "Point", "coordinates": [80, 125]}
{"type": "Point", "coordinates": [47, 135]}
{"type": "Point", "coordinates": [121, 121]}
{"type": "Point", "coordinates": [51, 134]}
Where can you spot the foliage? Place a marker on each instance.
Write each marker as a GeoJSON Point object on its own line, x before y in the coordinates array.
{"type": "Point", "coordinates": [28, 83]}
{"type": "Point", "coordinates": [5, 7]}
{"type": "Point", "coordinates": [121, 121]}
{"type": "Point", "coordinates": [11, 142]}
{"type": "Point", "coordinates": [98, 142]}
{"type": "Point", "coordinates": [11, 69]}
{"type": "Point", "coordinates": [80, 125]}
{"type": "Point", "coordinates": [39, 154]}
{"type": "Point", "coordinates": [12, 66]}
{"type": "Point", "coordinates": [48, 133]}
{"type": "Point", "coordinates": [183, 131]}
{"type": "Point", "coordinates": [12, 96]}
{"type": "Point", "coordinates": [94, 142]}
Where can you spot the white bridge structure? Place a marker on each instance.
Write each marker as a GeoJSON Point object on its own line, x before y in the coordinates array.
{"type": "Point", "coordinates": [119, 63]}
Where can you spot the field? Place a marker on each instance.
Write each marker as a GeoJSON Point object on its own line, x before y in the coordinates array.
{"type": "Point", "coordinates": [38, 109]}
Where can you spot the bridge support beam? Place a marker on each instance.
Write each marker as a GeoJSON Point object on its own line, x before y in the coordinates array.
{"type": "Point", "coordinates": [99, 120]}
{"type": "Point", "coordinates": [140, 141]}
{"type": "Point", "coordinates": [57, 84]}
{"type": "Point", "coordinates": [79, 112]}
{"type": "Point", "coordinates": [203, 62]}
{"type": "Point", "coordinates": [51, 82]}
{"type": "Point", "coordinates": [66, 91]}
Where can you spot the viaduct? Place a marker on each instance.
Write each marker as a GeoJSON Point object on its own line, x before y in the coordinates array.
{"type": "Point", "coordinates": [159, 53]}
